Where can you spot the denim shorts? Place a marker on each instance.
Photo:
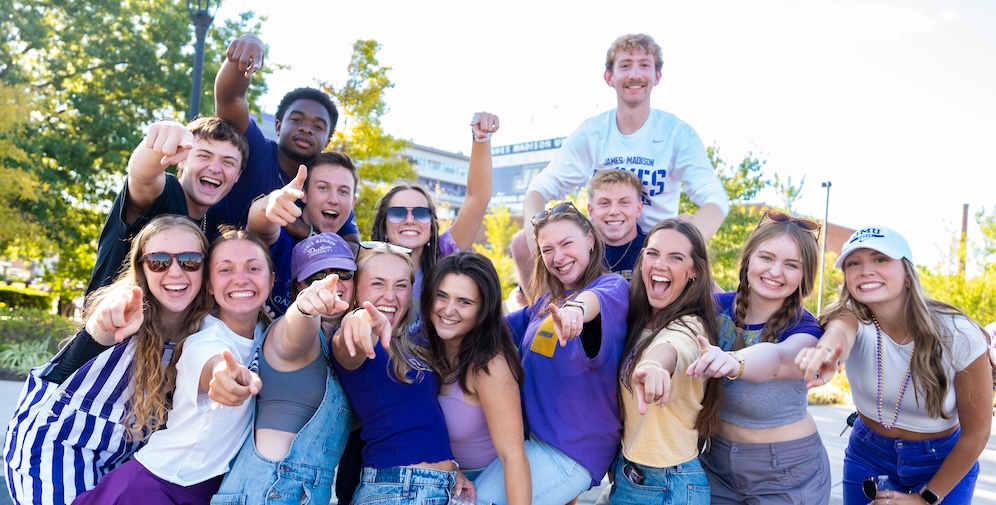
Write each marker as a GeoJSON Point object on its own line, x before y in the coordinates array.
{"type": "Point", "coordinates": [909, 464]}
{"type": "Point", "coordinates": [404, 485]}
{"type": "Point", "coordinates": [683, 484]}
{"type": "Point", "coordinates": [556, 478]}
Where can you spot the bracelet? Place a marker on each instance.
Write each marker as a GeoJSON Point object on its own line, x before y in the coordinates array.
{"type": "Point", "coordinates": [480, 140]}
{"type": "Point", "coordinates": [743, 364]}
{"type": "Point", "coordinates": [579, 304]}
{"type": "Point", "coordinates": [652, 362]}
{"type": "Point", "coordinates": [305, 314]}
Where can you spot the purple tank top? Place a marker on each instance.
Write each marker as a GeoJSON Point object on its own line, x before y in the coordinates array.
{"type": "Point", "coordinates": [469, 435]}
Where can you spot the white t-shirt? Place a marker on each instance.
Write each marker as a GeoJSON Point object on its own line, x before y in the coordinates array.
{"type": "Point", "coordinates": [665, 153]}
{"type": "Point", "coordinates": [201, 437]}
{"type": "Point", "coordinates": [966, 345]}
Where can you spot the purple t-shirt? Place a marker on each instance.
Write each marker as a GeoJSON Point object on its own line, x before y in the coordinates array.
{"type": "Point", "coordinates": [569, 398]}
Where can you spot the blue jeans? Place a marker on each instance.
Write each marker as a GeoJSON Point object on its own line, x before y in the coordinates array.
{"type": "Point", "coordinates": [908, 464]}
{"type": "Point", "coordinates": [683, 484]}
{"type": "Point", "coordinates": [404, 485]}
{"type": "Point", "coordinates": [306, 474]}
{"type": "Point", "coordinates": [556, 478]}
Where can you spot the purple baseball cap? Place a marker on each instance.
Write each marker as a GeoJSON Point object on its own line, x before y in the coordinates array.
{"type": "Point", "coordinates": [319, 252]}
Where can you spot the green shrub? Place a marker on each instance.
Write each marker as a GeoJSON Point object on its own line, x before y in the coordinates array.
{"type": "Point", "coordinates": [24, 356]}
{"type": "Point", "coordinates": [836, 392]}
{"type": "Point", "coordinates": [20, 326]}
{"type": "Point", "coordinates": [14, 298]}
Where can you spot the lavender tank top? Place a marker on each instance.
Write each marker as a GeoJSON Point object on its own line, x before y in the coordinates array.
{"type": "Point", "coordinates": [470, 439]}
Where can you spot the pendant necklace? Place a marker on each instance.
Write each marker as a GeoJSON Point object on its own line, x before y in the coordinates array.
{"type": "Point", "coordinates": [612, 268]}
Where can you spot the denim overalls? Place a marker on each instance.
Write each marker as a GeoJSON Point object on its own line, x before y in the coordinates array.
{"type": "Point", "coordinates": [306, 474]}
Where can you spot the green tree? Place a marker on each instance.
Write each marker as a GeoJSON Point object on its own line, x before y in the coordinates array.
{"type": "Point", "coordinates": [95, 73]}
{"type": "Point", "coordinates": [499, 227]}
{"type": "Point", "coordinates": [360, 133]}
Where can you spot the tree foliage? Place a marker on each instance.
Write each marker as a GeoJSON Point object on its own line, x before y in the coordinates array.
{"type": "Point", "coordinates": [360, 133]}
{"type": "Point", "coordinates": [499, 227]}
{"type": "Point", "coordinates": [93, 74]}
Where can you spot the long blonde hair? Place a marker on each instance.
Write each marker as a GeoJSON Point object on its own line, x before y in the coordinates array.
{"type": "Point", "coordinates": [403, 354]}
{"type": "Point", "coordinates": [148, 405]}
{"type": "Point", "coordinates": [543, 281]}
{"type": "Point", "coordinates": [922, 317]}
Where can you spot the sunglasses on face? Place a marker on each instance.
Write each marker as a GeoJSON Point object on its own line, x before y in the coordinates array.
{"type": "Point", "coordinates": [344, 275]}
{"type": "Point", "coordinates": [160, 261]}
{"type": "Point", "coordinates": [399, 214]}
{"type": "Point", "coordinates": [556, 210]}
{"type": "Point", "coordinates": [373, 244]}
{"type": "Point", "coordinates": [781, 217]}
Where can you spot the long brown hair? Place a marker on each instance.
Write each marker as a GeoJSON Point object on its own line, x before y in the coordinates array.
{"type": "Point", "coordinates": [922, 317]}
{"type": "Point", "coordinates": [148, 405]}
{"type": "Point", "coordinates": [430, 251]}
{"type": "Point", "coordinates": [402, 349]}
{"type": "Point", "coordinates": [791, 310]}
{"type": "Point", "coordinates": [696, 300]}
{"type": "Point", "coordinates": [543, 281]}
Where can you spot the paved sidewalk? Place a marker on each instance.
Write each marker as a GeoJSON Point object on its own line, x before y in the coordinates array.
{"type": "Point", "coordinates": [830, 419]}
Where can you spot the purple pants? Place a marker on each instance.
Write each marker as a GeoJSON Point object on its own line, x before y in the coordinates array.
{"type": "Point", "coordinates": [132, 483]}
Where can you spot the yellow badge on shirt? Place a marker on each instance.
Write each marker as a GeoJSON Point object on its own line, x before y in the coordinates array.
{"type": "Point", "coordinates": [545, 341]}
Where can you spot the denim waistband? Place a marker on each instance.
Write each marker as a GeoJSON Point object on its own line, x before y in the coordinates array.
{"type": "Point", "coordinates": [897, 445]}
{"type": "Point", "coordinates": [411, 475]}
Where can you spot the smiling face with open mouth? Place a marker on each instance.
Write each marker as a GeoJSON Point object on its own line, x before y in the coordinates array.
{"type": "Point", "coordinates": [410, 232]}
{"type": "Point", "coordinates": [775, 268]}
{"type": "Point", "coordinates": [455, 308]}
{"type": "Point", "coordinates": [667, 266]}
{"type": "Point", "coordinates": [874, 278]}
{"type": "Point", "coordinates": [329, 197]}
{"type": "Point", "coordinates": [385, 281]}
{"type": "Point", "coordinates": [566, 251]}
{"type": "Point", "coordinates": [211, 169]}
{"type": "Point", "coordinates": [240, 278]}
{"type": "Point", "coordinates": [175, 288]}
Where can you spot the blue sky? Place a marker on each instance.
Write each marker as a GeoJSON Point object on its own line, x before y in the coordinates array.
{"type": "Point", "coordinates": [892, 101]}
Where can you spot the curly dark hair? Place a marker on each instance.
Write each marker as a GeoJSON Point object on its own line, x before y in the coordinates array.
{"type": "Point", "coordinates": [309, 94]}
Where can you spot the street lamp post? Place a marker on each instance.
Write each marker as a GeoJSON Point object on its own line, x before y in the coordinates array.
{"type": "Point", "coordinates": [823, 249]}
{"type": "Point", "coordinates": [201, 17]}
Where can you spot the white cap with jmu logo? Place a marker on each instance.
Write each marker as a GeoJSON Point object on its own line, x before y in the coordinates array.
{"type": "Point", "coordinates": [881, 239]}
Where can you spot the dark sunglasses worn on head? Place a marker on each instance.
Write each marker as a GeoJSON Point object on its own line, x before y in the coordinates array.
{"type": "Point", "coordinates": [560, 208]}
{"type": "Point", "coordinates": [161, 261]}
{"type": "Point", "coordinates": [373, 244]}
{"type": "Point", "coordinates": [399, 214]}
{"type": "Point", "coordinates": [344, 275]}
{"type": "Point", "coordinates": [781, 217]}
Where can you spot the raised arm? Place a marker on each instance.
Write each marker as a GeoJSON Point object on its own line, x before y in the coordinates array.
{"type": "Point", "coordinates": [279, 208]}
{"type": "Point", "coordinates": [763, 361]}
{"type": "Point", "coordinates": [833, 349]}
{"type": "Point", "coordinates": [480, 181]}
{"type": "Point", "coordinates": [243, 58]}
{"type": "Point", "coordinates": [293, 341]}
{"type": "Point", "coordinates": [117, 316]}
{"type": "Point", "coordinates": [651, 378]}
{"type": "Point", "coordinates": [166, 143]}
{"type": "Point", "coordinates": [499, 395]}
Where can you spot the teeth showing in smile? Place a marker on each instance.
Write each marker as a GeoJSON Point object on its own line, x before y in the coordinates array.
{"type": "Point", "coordinates": [869, 285]}
{"type": "Point", "coordinates": [448, 321]}
{"type": "Point", "coordinates": [565, 268]}
{"type": "Point", "coordinates": [614, 223]}
{"type": "Point", "coordinates": [769, 282]}
{"type": "Point", "coordinates": [211, 180]}
{"type": "Point", "coordinates": [174, 287]}
{"type": "Point", "coordinates": [242, 294]}
{"type": "Point", "coordinates": [410, 233]}
{"type": "Point", "coordinates": [331, 214]}
{"type": "Point", "coordinates": [659, 278]}
{"type": "Point", "coordinates": [387, 310]}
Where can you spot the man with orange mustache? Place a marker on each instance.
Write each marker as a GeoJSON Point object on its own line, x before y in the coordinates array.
{"type": "Point", "coordinates": [663, 151]}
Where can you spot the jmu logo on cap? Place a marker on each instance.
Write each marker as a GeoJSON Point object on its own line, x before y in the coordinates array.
{"type": "Point", "coordinates": [866, 234]}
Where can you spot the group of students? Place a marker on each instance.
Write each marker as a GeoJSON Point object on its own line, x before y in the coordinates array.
{"type": "Point", "coordinates": [393, 371]}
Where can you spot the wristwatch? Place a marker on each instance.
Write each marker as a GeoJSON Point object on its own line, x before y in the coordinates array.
{"type": "Point", "coordinates": [579, 304]}
{"type": "Point", "coordinates": [929, 496]}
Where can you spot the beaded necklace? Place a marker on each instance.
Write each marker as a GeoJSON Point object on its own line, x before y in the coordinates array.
{"type": "Point", "coordinates": [881, 372]}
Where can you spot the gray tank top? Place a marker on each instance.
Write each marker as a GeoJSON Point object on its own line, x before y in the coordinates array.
{"type": "Point", "coordinates": [288, 400]}
{"type": "Point", "coordinates": [765, 405]}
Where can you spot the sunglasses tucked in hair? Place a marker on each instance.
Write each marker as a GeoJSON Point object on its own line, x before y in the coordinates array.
{"type": "Point", "coordinates": [556, 210]}
{"type": "Point", "coordinates": [373, 244]}
{"type": "Point", "coordinates": [399, 214]}
{"type": "Point", "coordinates": [344, 275]}
{"type": "Point", "coordinates": [781, 217]}
{"type": "Point", "coordinates": [161, 261]}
